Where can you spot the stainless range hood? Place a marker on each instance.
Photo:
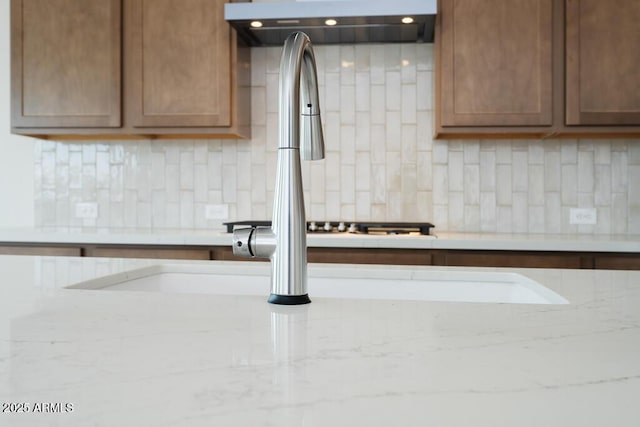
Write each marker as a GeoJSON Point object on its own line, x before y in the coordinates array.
{"type": "Point", "coordinates": [354, 21]}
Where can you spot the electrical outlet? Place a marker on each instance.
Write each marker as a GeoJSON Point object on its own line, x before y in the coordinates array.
{"type": "Point", "coordinates": [583, 216]}
{"type": "Point", "coordinates": [216, 211]}
{"type": "Point", "coordinates": [86, 210]}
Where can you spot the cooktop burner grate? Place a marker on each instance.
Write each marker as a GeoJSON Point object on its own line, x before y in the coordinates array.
{"type": "Point", "coordinates": [422, 228]}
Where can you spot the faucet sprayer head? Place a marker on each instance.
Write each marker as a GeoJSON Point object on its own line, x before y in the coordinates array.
{"type": "Point", "coordinates": [312, 147]}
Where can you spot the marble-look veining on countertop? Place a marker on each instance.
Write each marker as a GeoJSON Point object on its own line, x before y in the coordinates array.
{"type": "Point", "coordinates": [139, 358]}
{"type": "Point", "coordinates": [382, 163]}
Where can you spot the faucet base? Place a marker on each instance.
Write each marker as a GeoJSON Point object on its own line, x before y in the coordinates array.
{"type": "Point", "coordinates": [289, 299]}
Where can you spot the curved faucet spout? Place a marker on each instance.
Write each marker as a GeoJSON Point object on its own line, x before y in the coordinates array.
{"type": "Point", "coordinates": [298, 77]}
{"type": "Point", "coordinates": [285, 243]}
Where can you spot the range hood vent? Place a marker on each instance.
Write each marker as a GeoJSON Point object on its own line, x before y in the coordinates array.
{"type": "Point", "coordinates": [354, 21]}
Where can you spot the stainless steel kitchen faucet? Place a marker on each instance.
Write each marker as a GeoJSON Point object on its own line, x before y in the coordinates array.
{"type": "Point", "coordinates": [285, 242]}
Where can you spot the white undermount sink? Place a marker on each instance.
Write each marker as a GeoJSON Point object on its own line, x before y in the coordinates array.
{"type": "Point", "coordinates": [363, 282]}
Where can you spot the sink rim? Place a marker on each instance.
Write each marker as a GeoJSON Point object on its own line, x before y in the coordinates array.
{"type": "Point", "coordinates": [337, 271]}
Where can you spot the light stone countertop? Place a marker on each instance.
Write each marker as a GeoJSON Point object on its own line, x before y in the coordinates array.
{"type": "Point", "coordinates": [151, 359]}
{"type": "Point", "coordinates": [441, 240]}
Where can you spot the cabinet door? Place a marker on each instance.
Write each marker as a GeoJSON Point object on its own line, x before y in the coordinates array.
{"type": "Point", "coordinates": [65, 63]}
{"type": "Point", "coordinates": [495, 62]}
{"type": "Point", "coordinates": [603, 62]}
{"type": "Point", "coordinates": [178, 59]}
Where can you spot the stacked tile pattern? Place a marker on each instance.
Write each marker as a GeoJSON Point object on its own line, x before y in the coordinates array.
{"type": "Point", "coordinates": [381, 164]}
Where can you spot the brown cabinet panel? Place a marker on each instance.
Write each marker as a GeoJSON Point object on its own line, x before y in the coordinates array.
{"type": "Point", "coordinates": [508, 259]}
{"type": "Point", "coordinates": [225, 253]}
{"type": "Point", "coordinates": [40, 250]}
{"type": "Point", "coordinates": [178, 57]}
{"type": "Point", "coordinates": [85, 69]}
{"type": "Point", "coordinates": [617, 262]}
{"type": "Point", "coordinates": [603, 62]}
{"type": "Point", "coordinates": [65, 58]}
{"type": "Point", "coordinates": [369, 256]}
{"type": "Point", "coordinates": [495, 62]}
{"type": "Point", "coordinates": [155, 253]}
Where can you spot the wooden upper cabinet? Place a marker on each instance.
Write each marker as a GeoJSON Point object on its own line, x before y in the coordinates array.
{"type": "Point", "coordinates": [65, 61]}
{"type": "Point", "coordinates": [178, 63]}
{"type": "Point", "coordinates": [128, 68]}
{"type": "Point", "coordinates": [495, 62]}
{"type": "Point", "coordinates": [603, 62]}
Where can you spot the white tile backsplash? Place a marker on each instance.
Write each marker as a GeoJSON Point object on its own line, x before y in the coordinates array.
{"type": "Point", "coordinates": [382, 163]}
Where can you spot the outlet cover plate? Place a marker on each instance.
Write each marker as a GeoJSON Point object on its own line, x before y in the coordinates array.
{"type": "Point", "coordinates": [86, 210]}
{"type": "Point", "coordinates": [581, 216]}
{"type": "Point", "coordinates": [216, 211]}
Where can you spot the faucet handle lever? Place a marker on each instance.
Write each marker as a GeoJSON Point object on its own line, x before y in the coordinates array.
{"type": "Point", "coordinates": [253, 242]}
{"type": "Point", "coordinates": [242, 240]}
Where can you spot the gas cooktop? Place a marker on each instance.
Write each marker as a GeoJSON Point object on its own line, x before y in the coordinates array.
{"type": "Point", "coordinates": [421, 228]}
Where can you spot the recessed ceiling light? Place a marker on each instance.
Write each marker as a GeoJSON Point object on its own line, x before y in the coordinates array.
{"type": "Point", "coordinates": [331, 22]}
{"type": "Point", "coordinates": [256, 24]}
{"type": "Point", "coordinates": [407, 20]}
